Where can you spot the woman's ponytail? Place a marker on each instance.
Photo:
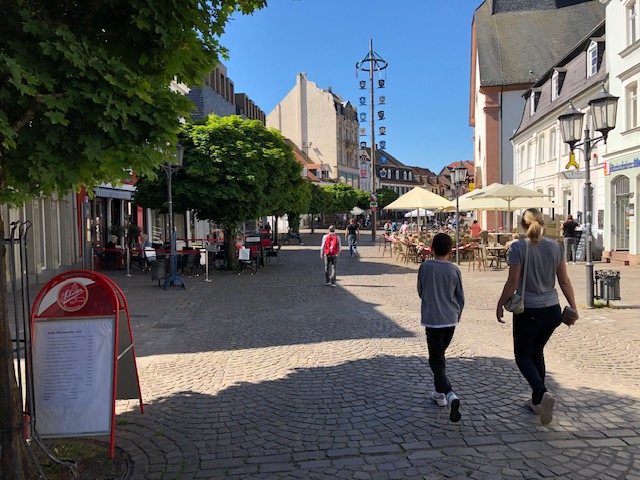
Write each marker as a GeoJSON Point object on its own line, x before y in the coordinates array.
{"type": "Point", "coordinates": [533, 221]}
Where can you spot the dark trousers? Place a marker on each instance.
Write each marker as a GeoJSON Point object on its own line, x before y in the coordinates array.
{"type": "Point", "coordinates": [330, 262]}
{"type": "Point", "coordinates": [438, 339]}
{"type": "Point", "coordinates": [532, 329]}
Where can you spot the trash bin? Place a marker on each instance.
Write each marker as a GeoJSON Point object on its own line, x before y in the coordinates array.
{"type": "Point", "coordinates": [608, 284]}
{"type": "Point", "coordinates": [158, 269]}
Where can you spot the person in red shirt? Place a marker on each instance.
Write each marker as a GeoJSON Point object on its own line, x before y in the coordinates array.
{"type": "Point", "coordinates": [475, 229]}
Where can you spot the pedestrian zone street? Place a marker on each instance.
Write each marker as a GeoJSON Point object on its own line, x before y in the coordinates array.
{"type": "Point", "coordinates": [275, 375]}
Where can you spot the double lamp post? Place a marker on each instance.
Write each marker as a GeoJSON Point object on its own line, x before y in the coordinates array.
{"type": "Point", "coordinates": [603, 110]}
{"type": "Point", "coordinates": [458, 178]}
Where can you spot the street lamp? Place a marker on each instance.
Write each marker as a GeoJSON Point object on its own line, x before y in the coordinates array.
{"type": "Point", "coordinates": [458, 177]}
{"type": "Point", "coordinates": [603, 110]}
{"type": "Point", "coordinates": [169, 168]}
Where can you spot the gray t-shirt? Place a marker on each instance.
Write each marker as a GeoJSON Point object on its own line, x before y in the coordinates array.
{"type": "Point", "coordinates": [544, 258]}
{"type": "Point", "coordinates": [440, 288]}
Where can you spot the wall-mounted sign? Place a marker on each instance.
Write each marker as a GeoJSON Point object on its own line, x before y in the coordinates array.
{"type": "Point", "coordinates": [572, 162]}
{"type": "Point", "coordinates": [610, 167]}
{"type": "Point", "coordinates": [573, 175]}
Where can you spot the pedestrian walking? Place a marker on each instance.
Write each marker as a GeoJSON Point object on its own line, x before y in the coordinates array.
{"type": "Point", "coordinates": [352, 236]}
{"type": "Point", "coordinates": [329, 250]}
{"type": "Point", "coordinates": [533, 328]}
{"type": "Point", "coordinates": [440, 289]}
{"type": "Point", "coordinates": [568, 228]}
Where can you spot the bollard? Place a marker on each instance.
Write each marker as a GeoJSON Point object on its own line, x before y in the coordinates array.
{"type": "Point", "coordinates": [206, 264]}
{"type": "Point", "coordinates": [128, 261]}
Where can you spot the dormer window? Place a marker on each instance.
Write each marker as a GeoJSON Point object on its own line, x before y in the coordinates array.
{"type": "Point", "coordinates": [557, 80]}
{"type": "Point", "coordinates": [595, 52]}
{"type": "Point", "coordinates": [534, 99]}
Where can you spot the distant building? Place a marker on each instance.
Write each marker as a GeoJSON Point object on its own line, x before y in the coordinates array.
{"type": "Point", "coordinates": [217, 97]}
{"type": "Point", "coordinates": [392, 173]}
{"type": "Point", "coordinates": [323, 126]}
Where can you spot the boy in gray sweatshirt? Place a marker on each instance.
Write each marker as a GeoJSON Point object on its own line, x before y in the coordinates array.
{"type": "Point", "coordinates": [440, 288]}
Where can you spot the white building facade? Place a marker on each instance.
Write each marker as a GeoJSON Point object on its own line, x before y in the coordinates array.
{"type": "Point", "coordinates": [622, 158]}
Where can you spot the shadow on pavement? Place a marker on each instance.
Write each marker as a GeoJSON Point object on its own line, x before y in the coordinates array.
{"type": "Point", "coordinates": [371, 416]}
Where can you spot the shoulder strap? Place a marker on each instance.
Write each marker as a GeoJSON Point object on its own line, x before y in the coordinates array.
{"type": "Point", "coordinates": [526, 266]}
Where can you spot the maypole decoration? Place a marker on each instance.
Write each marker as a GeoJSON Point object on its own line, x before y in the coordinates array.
{"type": "Point", "coordinates": [372, 63]}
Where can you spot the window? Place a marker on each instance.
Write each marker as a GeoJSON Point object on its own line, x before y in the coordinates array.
{"type": "Point", "coordinates": [553, 144]}
{"type": "Point", "coordinates": [557, 80]}
{"type": "Point", "coordinates": [522, 158]}
{"type": "Point", "coordinates": [631, 105]}
{"type": "Point", "coordinates": [410, 176]}
{"type": "Point", "coordinates": [397, 174]}
{"type": "Point", "coordinates": [530, 154]}
{"type": "Point", "coordinates": [632, 18]}
{"type": "Point", "coordinates": [534, 98]}
{"type": "Point", "coordinates": [592, 59]}
{"type": "Point", "coordinates": [404, 175]}
{"type": "Point", "coordinates": [541, 150]}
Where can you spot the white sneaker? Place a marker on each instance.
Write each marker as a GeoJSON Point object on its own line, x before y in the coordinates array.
{"type": "Point", "coordinates": [454, 407]}
{"type": "Point", "coordinates": [546, 408]}
{"type": "Point", "coordinates": [439, 398]}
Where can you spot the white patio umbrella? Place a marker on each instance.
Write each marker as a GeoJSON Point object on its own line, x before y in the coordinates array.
{"type": "Point", "coordinates": [418, 212]}
{"type": "Point", "coordinates": [510, 194]}
{"type": "Point", "coordinates": [419, 197]}
{"type": "Point", "coordinates": [356, 211]}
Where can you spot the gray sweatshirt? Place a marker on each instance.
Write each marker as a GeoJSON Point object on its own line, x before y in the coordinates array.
{"type": "Point", "coordinates": [440, 288]}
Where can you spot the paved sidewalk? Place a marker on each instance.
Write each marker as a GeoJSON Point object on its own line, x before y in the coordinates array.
{"type": "Point", "coordinates": [275, 375]}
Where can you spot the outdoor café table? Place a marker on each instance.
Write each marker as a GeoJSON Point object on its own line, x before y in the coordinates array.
{"type": "Point", "coordinates": [499, 252]}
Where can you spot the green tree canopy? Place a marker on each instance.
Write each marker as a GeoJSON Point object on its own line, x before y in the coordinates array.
{"type": "Point", "coordinates": [344, 197]}
{"type": "Point", "coordinates": [234, 170]}
{"type": "Point", "coordinates": [321, 200]}
{"type": "Point", "coordinates": [84, 86]}
{"type": "Point", "coordinates": [385, 197]}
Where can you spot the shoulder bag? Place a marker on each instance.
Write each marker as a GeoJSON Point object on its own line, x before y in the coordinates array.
{"type": "Point", "coordinates": [516, 303]}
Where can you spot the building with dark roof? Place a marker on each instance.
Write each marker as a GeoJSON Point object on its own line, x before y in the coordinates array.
{"type": "Point", "coordinates": [513, 43]}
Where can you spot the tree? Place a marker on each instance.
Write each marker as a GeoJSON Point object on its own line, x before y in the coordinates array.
{"type": "Point", "coordinates": [234, 170]}
{"type": "Point", "coordinates": [385, 197]}
{"type": "Point", "coordinates": [344, 197]}
{"type": "Point", "coordinates": [84, 97]}
{"type": "Point", "coordinates": [320, 202]}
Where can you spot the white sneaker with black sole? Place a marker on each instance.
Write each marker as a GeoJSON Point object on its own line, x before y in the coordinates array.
{"type": "Point", "coordinates": [454, 407]}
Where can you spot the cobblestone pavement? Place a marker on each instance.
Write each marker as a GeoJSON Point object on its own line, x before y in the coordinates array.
{"type": "Point", "coordinates": [275, 375]}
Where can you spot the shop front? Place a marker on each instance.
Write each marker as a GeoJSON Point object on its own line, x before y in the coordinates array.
{"type": "Point", "coordinates": [620, 227]}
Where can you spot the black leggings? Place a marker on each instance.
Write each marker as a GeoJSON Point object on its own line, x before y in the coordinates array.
{"type": "Point", "coordinates": [438, 339]}
{"type": "Point", "coordinates": [532, 329]}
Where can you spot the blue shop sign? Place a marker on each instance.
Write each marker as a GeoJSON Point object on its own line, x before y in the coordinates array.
{"type": "Point", "coordinates": [624, 165]}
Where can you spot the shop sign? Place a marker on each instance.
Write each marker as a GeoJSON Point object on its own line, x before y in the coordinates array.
{"type": "Point", "coordinates": [610, 167]}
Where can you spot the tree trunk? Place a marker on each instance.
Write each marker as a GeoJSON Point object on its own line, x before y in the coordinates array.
{"type": "Point", "coordinates": [15, 462]}
{"type": "Point", "coordinates": [230, 247]}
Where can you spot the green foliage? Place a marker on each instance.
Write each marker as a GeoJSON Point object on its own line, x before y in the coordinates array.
{"type": "Point", "coordinates": [84, 86]}
{"type": "Point", "coordinates": [385, 197]}
{"type": "Point", "coordinates": [294, 221]}
{"type": "Point", "coordinates": [321, 200]}
{"type": "Point", "coordinates": [234, 170]}
{"type": "Point", "coordinates": [344, 197]}
{"type": "Point", "coordinates": [362, 199]}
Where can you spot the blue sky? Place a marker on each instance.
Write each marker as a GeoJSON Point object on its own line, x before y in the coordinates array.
{"type": "Point", "coordinates": [425, 42]}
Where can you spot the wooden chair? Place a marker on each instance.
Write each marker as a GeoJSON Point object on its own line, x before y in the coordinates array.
{"type": "Point", "coordinates": [402, 252]}
{"type": "Point", "coordinates": [476, 257]}
{"type": "Point", "coordinates": [412, 253]}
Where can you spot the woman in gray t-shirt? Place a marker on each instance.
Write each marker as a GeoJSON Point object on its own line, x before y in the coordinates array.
{"type": "Point", "coordinates": [533, 328]}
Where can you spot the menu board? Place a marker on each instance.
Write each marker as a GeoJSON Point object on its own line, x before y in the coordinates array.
{"type": "Point", "coordinates": [73, 375]}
